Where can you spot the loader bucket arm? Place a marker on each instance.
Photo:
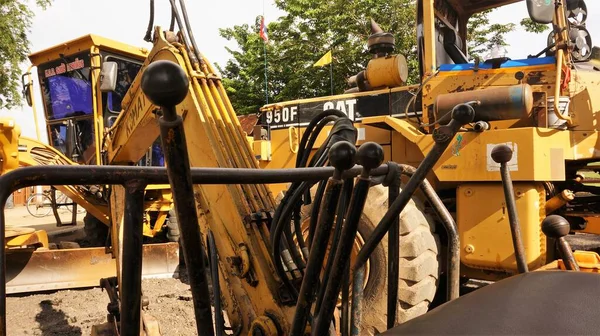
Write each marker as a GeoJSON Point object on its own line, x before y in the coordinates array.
{"type": "Point", "coordinates": [237, 214]}
{"type": "Point", "coordinates": [34, 153]}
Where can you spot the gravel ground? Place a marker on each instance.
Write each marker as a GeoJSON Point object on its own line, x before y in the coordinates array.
{"type": "Point", "coordinates": [74, 312]}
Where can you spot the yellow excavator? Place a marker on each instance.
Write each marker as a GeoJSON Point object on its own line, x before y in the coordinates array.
{"type": "Point", "coordinates": [107, 103]}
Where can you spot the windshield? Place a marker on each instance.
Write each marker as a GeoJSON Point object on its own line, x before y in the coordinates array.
{"type": "Point", "coordinates": [126, 74]}
{"type": "Point", "coordinates": [66, 87]}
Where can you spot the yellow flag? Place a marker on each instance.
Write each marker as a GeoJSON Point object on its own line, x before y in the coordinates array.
{"type": "Point", "coordinates": [326, 59]}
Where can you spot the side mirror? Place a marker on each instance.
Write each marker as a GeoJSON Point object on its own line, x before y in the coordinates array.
{"type": "Point", "coordinates": [108, 76]}
{"type": "Point", "coordinates": [27, 90]}
{"type": "Point", "coordinates": [541, 11]}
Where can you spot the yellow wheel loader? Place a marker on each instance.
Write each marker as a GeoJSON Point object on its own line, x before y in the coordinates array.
{"type": "Point", "coordinates": [543, 107]}
{"type": "Point", "coordinates": [344, 249]}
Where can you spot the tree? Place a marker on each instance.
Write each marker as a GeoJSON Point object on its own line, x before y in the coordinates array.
{"type": "Point", "coordinates": [15, 22]}
{"type": "Point", "coordinates": [309, 30]}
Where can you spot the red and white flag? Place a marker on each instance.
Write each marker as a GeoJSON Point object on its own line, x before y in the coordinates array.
{"type": "Point", "coordinates": [263, 30]}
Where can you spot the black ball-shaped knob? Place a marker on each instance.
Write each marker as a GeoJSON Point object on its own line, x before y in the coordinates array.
{"type": "Point", "coordinates": [502, 154]}
{"type": "Point", "coordinates": [463, 113]}
{"type": "Point", "coordinates": [165, 83]}
{"type": "Point", "coordinates": [370, 155]}
{"type": "Point", "coordinates": [555, 226]}
{"type": "Point", "coordinates": [341, 155]}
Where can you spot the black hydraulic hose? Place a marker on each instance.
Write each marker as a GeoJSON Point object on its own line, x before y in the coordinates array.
{"type": "Point", "coordinates": [342, 158]}
{"type": "Point", "coordinates": [339, 222]}
{"type": "Point", "coordinates": [214, 274]}
{"type": "Point", "coordinates": [341, 254]}
{"type": "Point", "coordinates": [172, 24]}
{"type": "Point", "coordinates": [189, 31]}
{"type": "Point", "coordinates": [314, 212]}
{"type": "Point", "coordinates": [370, 155]}
{"type": "Point", "coordinates": [280, 222]}
{"type": "Point", "coordinates": [148, 37]}
{"type": "Point", "coordinates": [289, 202]}
{"type": "Point", "coordinates": [313, 138]}
{"type": "Point", "coordinates": [293, 250]}
{"type": "Point", "coordinates": [316, 257]}
{"type": "Point", "coordinates": [175, 13]}
{"type": "Point", "coordinates": [297, 218]}
{"type": "Point", "coordinates": [308, 131]}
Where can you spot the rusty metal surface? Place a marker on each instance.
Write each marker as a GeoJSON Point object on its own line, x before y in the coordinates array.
{"type": "Point", "coordinates": [29, 271]}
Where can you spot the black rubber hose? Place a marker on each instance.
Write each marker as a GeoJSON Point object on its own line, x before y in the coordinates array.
{"type": "Point", "coordinates": [308, 131]}
{"type": "Point", "coordinates": [174, 11]}
{"type": "Point", "coordinates": [284, 210]}
{"type": "Point", "coordinates": [189, 31]}
{"type": "Point", "coordinates": [214, 274]}
{"type": "Point", "coordinates": [313, 138]}
{"type": "Point", "coordinates": [316, 257]}
{"type": "Point", "coordinates": [314, 212]}
{"type": "Point", "coordinates": [172, 24]}
{"type": "Point", "coordinates": [341, 211]}
{"type": "Point", "coordinates": [148, 37]}
{"type": "Point", "coordinates": [294, 251]}
{"type": "Point", "coordinates": [297, 218]}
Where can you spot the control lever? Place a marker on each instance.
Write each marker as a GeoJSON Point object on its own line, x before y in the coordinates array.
{"type": "Point", "coordinates": [461, 115]}
{"type": "Point", "coordinates": [166, 85]}
{"type": "Point", "coordinates": [557, 227]}
{"type": "Point", "coordinates": [502, 154]}
{"type": "Point", "coordinates": [370, 156]}
{"type": "Point", "coordinates": [341, 156]}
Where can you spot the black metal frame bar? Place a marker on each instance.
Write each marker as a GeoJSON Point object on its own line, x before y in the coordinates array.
{"type": "Point", "coordinates": [131, 258]}
{"type": "Point", "coordinates": [122, 175]}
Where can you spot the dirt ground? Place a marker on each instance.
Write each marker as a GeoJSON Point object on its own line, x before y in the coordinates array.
{"type": "Point", "coordinates": [74, 312]}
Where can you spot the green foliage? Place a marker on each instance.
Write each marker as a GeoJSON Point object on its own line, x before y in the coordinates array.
{"type": "Point", "coordinates": [482, 36]}
{"type": "Point", "coordinates": [309, 29]}
{"type": "Point", "coordinates": [533, 27]}
{"type": "Point", "coordinates": [15, 21]}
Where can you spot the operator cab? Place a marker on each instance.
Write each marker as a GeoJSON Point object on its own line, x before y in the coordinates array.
{"type": "Point", "coordinates": [451, 43]}
{"type": "Point", "coordinates": [69, 76]}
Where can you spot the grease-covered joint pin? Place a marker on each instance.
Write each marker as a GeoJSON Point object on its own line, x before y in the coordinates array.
{"type": "Point", "coordinates": [557, 227]}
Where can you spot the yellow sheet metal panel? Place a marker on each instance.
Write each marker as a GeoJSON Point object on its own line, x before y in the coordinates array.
{"type": "Point", "coordinates": [85, 43]}
{"type": "Point", "coordinates": [485, 236]}
{"type": "Point", "coordinates": [538, 155]}
{"type": "Point", "coordinates": [584, 107]}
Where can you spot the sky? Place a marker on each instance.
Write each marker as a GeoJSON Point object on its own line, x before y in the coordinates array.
{"type": "Point", "coordinates": [126, 21]}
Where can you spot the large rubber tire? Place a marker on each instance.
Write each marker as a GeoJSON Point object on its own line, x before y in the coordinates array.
{"type": "Point", "coordinates": [96, 232]}
{"type": "Point", "coordinates": [172, 227]}
{"type": "Point", "coordinates": [419, 262]}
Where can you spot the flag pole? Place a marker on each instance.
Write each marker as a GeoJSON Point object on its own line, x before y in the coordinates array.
{"type": "Point", "coordinates": [265, 53]}
{"type": "Point", "coordinates": [331, 61]}
{"type": "Point", "coordinates": [266, 77]}
{"type": "Point", "coordinates": [331, 71]}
